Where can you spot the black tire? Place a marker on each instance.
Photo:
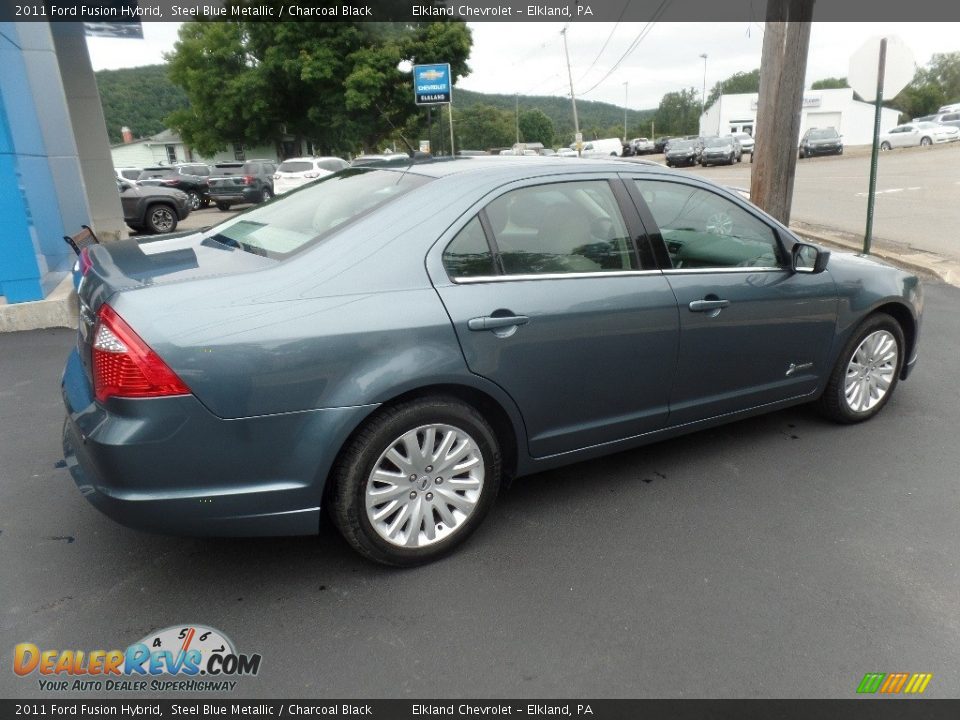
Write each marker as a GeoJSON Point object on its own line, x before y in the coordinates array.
{"type": "Point", "coordinates": [265, 195]}
{"type": "Point", "coordinates": [833, 403]}
{"type": "Point", "coordinates": [925, 142]}
{"type": "Point", "coordinates": [357, 461]}
{"type": "Point", "coordinates": [885, 145]}
{"type": "Point", "coordinates": [193, 200]}
{"type": "Point", "coordinates": [205, 203]}
{"type": "Point", "coordinates": [160, 218]}
{"type": "Point", "coordinates": [223, 206]}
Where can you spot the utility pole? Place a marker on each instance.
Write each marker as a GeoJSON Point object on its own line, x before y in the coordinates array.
{"type": "Point", "coordinates": [573, 98]}
{"type": "Point", "coordinates": [517, 115]}
{"type": "Point", "coordinates": [783, 64]}
{"type": "Point", "coordinates": [626, 97]}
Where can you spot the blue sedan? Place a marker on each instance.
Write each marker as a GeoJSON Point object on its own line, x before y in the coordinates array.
{"type": "Point", "coordinates": [394, 343]}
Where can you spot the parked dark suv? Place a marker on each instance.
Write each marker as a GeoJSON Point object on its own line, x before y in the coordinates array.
{"type": "Point", "coordinates": [233, 183]}
{"type": "Point", "coordinates": [191, 178]}
{"type": "Point", "coordinates": [152, 209]}
{"type": "Point", "coordinates": [821, 141]}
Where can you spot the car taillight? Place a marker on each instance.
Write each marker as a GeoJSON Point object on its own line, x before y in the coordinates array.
{"type": "Point", "coordinates": [125, 366]}
{"type": "Point", "coordinates": [248, 179]}
{"type": "Point", "coordinates": [85, 262]}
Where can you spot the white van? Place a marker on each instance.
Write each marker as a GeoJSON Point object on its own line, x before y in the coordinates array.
{"type": "Point", "coordinates": [602, 148]}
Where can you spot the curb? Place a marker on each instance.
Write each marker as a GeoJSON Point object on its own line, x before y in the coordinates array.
{"type": "Point", "coordinates": [58, 309]}
{"type": "Point", "coordinates": [947, 271]}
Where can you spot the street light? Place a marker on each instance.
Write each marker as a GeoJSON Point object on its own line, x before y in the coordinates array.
{"type": "Point", "coordinates": [626, 95]}
{"type": "Point", "coordinates": [703, 95]}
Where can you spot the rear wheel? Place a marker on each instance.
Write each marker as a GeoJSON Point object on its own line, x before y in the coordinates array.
{"type": "Point", "coordinates": [925, 142]}
{"type": "Point", "coordinates": [416, 481]}
{"type": "Point", "coordinates": [866, 372]}
{"type": "Point", "coordinates": [223, 206]}
{"type": "Point", "coordinates": [265, 194]}
{"type": "Point", "coordinates": [160, 219]}
{"type": "Point", "coordinates": [884, 145]}
{"type": "Point", "coordinates": [194, 200]}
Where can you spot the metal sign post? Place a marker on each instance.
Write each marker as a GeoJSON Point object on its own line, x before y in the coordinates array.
{"type": "Point", "coordinates": [872, 192]}
{"type": "Point", "coordinates": [882, 67]}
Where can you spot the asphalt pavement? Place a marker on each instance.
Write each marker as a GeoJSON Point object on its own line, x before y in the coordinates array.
{"type": "Point", "coordinates": [916, 209]}
{"type": "Point", "coordinates": [781, 556]}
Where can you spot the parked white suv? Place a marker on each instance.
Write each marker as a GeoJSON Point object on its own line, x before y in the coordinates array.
{"type": "Point", "coordinates": [295, 172]}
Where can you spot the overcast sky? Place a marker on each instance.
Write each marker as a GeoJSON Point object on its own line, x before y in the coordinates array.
{"type": "Point", "coordinates": [527, 58]}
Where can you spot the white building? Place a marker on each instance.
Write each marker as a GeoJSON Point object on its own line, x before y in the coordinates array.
{"type": "Point", "coordinates": [821, 108]}
{"type": "Point", "coordinates": [167, 148]}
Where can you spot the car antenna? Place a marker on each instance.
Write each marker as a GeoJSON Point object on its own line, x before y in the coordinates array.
{"type": "Point", "coordinates": [406, 142]}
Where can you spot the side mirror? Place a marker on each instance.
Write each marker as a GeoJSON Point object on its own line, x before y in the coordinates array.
{"type": "Point", "coordinates": [809, 258]}
{"type": "Point", "coordinates": [124, 185]}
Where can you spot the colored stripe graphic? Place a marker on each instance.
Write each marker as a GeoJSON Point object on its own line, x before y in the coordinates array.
{"type": "Point", "coordinates": [893, 683]}
{"type": "Point", "coordinates": [918, 683]}
{"type": "Point", "coordinates": [871, 682]}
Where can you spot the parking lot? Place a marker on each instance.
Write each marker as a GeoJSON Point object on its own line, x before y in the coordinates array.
{"type": "Point", "coordinates": [781, 556]}
{"type": "Point", "coordinates": [917, 190]}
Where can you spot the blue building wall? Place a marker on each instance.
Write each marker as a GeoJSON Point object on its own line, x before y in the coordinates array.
{"type": "Point", "coordinates": [38, 207]}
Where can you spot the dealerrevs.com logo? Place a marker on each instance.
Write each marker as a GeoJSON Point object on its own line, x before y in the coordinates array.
{"type": "Point", "coordinates": [180, 658]}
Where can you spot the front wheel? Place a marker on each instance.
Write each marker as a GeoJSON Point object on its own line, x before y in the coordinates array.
{"type": "Point", "coordinates": [223, 206]}
{"type": "Point", "coordinates": [926, 142]}
{"type": "Point", "coordinates": [265, 195]}
{"type": "Point", "coordinates": [866, 372]}
{"type": "Point", "coordinates": [194, 200]}
{"type": "Point", "coordinates": [160, 219]}
{"type": "Point", "coordinates": [416, 481]}
{"type": "Point", "coordinates": [884, 146]}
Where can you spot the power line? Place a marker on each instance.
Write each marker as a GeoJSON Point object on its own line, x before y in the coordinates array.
{"type": "Point", "coordinates": [606, 42]}
{"type": "Point", "coordinates": [661, 8]}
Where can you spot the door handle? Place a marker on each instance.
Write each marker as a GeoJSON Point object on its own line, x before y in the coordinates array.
{"type": "Point", "coordinates": [708, 305]}
{"type": "Point", "coordinates": [491, 322]}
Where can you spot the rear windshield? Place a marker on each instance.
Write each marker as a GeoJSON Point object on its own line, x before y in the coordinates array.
{"type": "Point", "coordinates": [157, 173]}
{"type": "Point", "coordinates": [291, 166]}
{"type": "Point", "coordinates": [226, 169]}
{"type": "Point", "coordinates": [302, 218]}
{"type": "Point", "coordinates": [332, 164]}
{"type": "Point", "coordinates": [824, 134]}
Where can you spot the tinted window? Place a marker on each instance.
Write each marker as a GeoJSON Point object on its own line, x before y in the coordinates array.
{"type": "Point", "coordinates": [704, 230]}
{"type": "Point", "coordinates": [468, 254]}
{"type": "Point", "coordinates": [332, 164]}
{"type": "Point", "coordinates": [157, 173]}
{"type": "Point", "coordinates": [226, 169]}
{"type": "Point", "coordinates": [290, 166]}
{"type": "Point", "coordinates": [251, 168]}
{"type": "Point", "coordinates": [570, 227]}
{"type": "Point", "coordinates": [130, 174]}
{"type": "Point", "coordinates": [306, 217]}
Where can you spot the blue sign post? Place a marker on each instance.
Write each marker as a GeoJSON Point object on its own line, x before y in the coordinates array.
{"type": "Point", "coordinates": [431, 84]}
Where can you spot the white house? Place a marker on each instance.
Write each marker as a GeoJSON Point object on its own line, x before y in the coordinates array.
{"type": "Point", "coordinates": [821, 108]}
{"type": "Point", "coordinates": [167, 147]}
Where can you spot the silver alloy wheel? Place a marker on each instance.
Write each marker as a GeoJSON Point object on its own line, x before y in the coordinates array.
{"type": "Point", "coordinates": [161, 218]}
{"type": "Point", "coordinates": [194, 201]}
{"type": "Point", "coordinates": [424, 486]}
{"type": "Point", "coordinates": [870, 371]}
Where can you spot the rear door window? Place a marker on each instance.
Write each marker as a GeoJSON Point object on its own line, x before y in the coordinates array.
{"type": "Point", "coordinates": [568, 227]}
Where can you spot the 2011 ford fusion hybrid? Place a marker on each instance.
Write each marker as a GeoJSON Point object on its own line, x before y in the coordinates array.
{"type": "Point", "coordinates": [393, 343]}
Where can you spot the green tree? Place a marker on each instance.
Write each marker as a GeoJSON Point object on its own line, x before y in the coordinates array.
{"type": "Point", "coordinates": [535, 126]}
{"type": "Point", "coordinates": [482, 127]}
{"type": "Point", "coordinates": [335, 84]}
{"type": "Point", "coordinates": [944, 70]}
{"type": "Point", "coordinates": [741, 82]}
{"type": "Point", "coordinates": [830, 83]}
{"type": "Point", "coordinates": [921, 97]}
{"type": "Point", "coordinates": [679, 113]}
{"type": "Point", "coordinates": [139, 98]}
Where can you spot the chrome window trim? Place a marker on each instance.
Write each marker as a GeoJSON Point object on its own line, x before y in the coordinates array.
{"type": "Point", "coordinates": [691, 271]}
{"type": "Point", "coordinates": [551, 276]}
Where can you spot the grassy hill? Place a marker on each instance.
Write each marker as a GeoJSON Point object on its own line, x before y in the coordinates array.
{"type": "Point", "coordinates": [141, 98]}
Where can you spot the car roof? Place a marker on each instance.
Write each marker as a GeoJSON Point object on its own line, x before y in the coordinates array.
{"type": "Point", "coordinates": [517, 165]}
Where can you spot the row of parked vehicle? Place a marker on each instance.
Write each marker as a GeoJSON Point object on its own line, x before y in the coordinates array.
{"type": "Point", "coordinates": [703, 150]}
{"type": "Point", "coordinates": [155, 198]}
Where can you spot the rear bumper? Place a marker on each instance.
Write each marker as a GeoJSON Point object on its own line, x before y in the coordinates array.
{"type": "Point", "coordinates": [168, 465]}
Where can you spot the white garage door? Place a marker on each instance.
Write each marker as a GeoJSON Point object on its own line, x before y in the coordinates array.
{"type": "Point", "coordinates": [821, 120]}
